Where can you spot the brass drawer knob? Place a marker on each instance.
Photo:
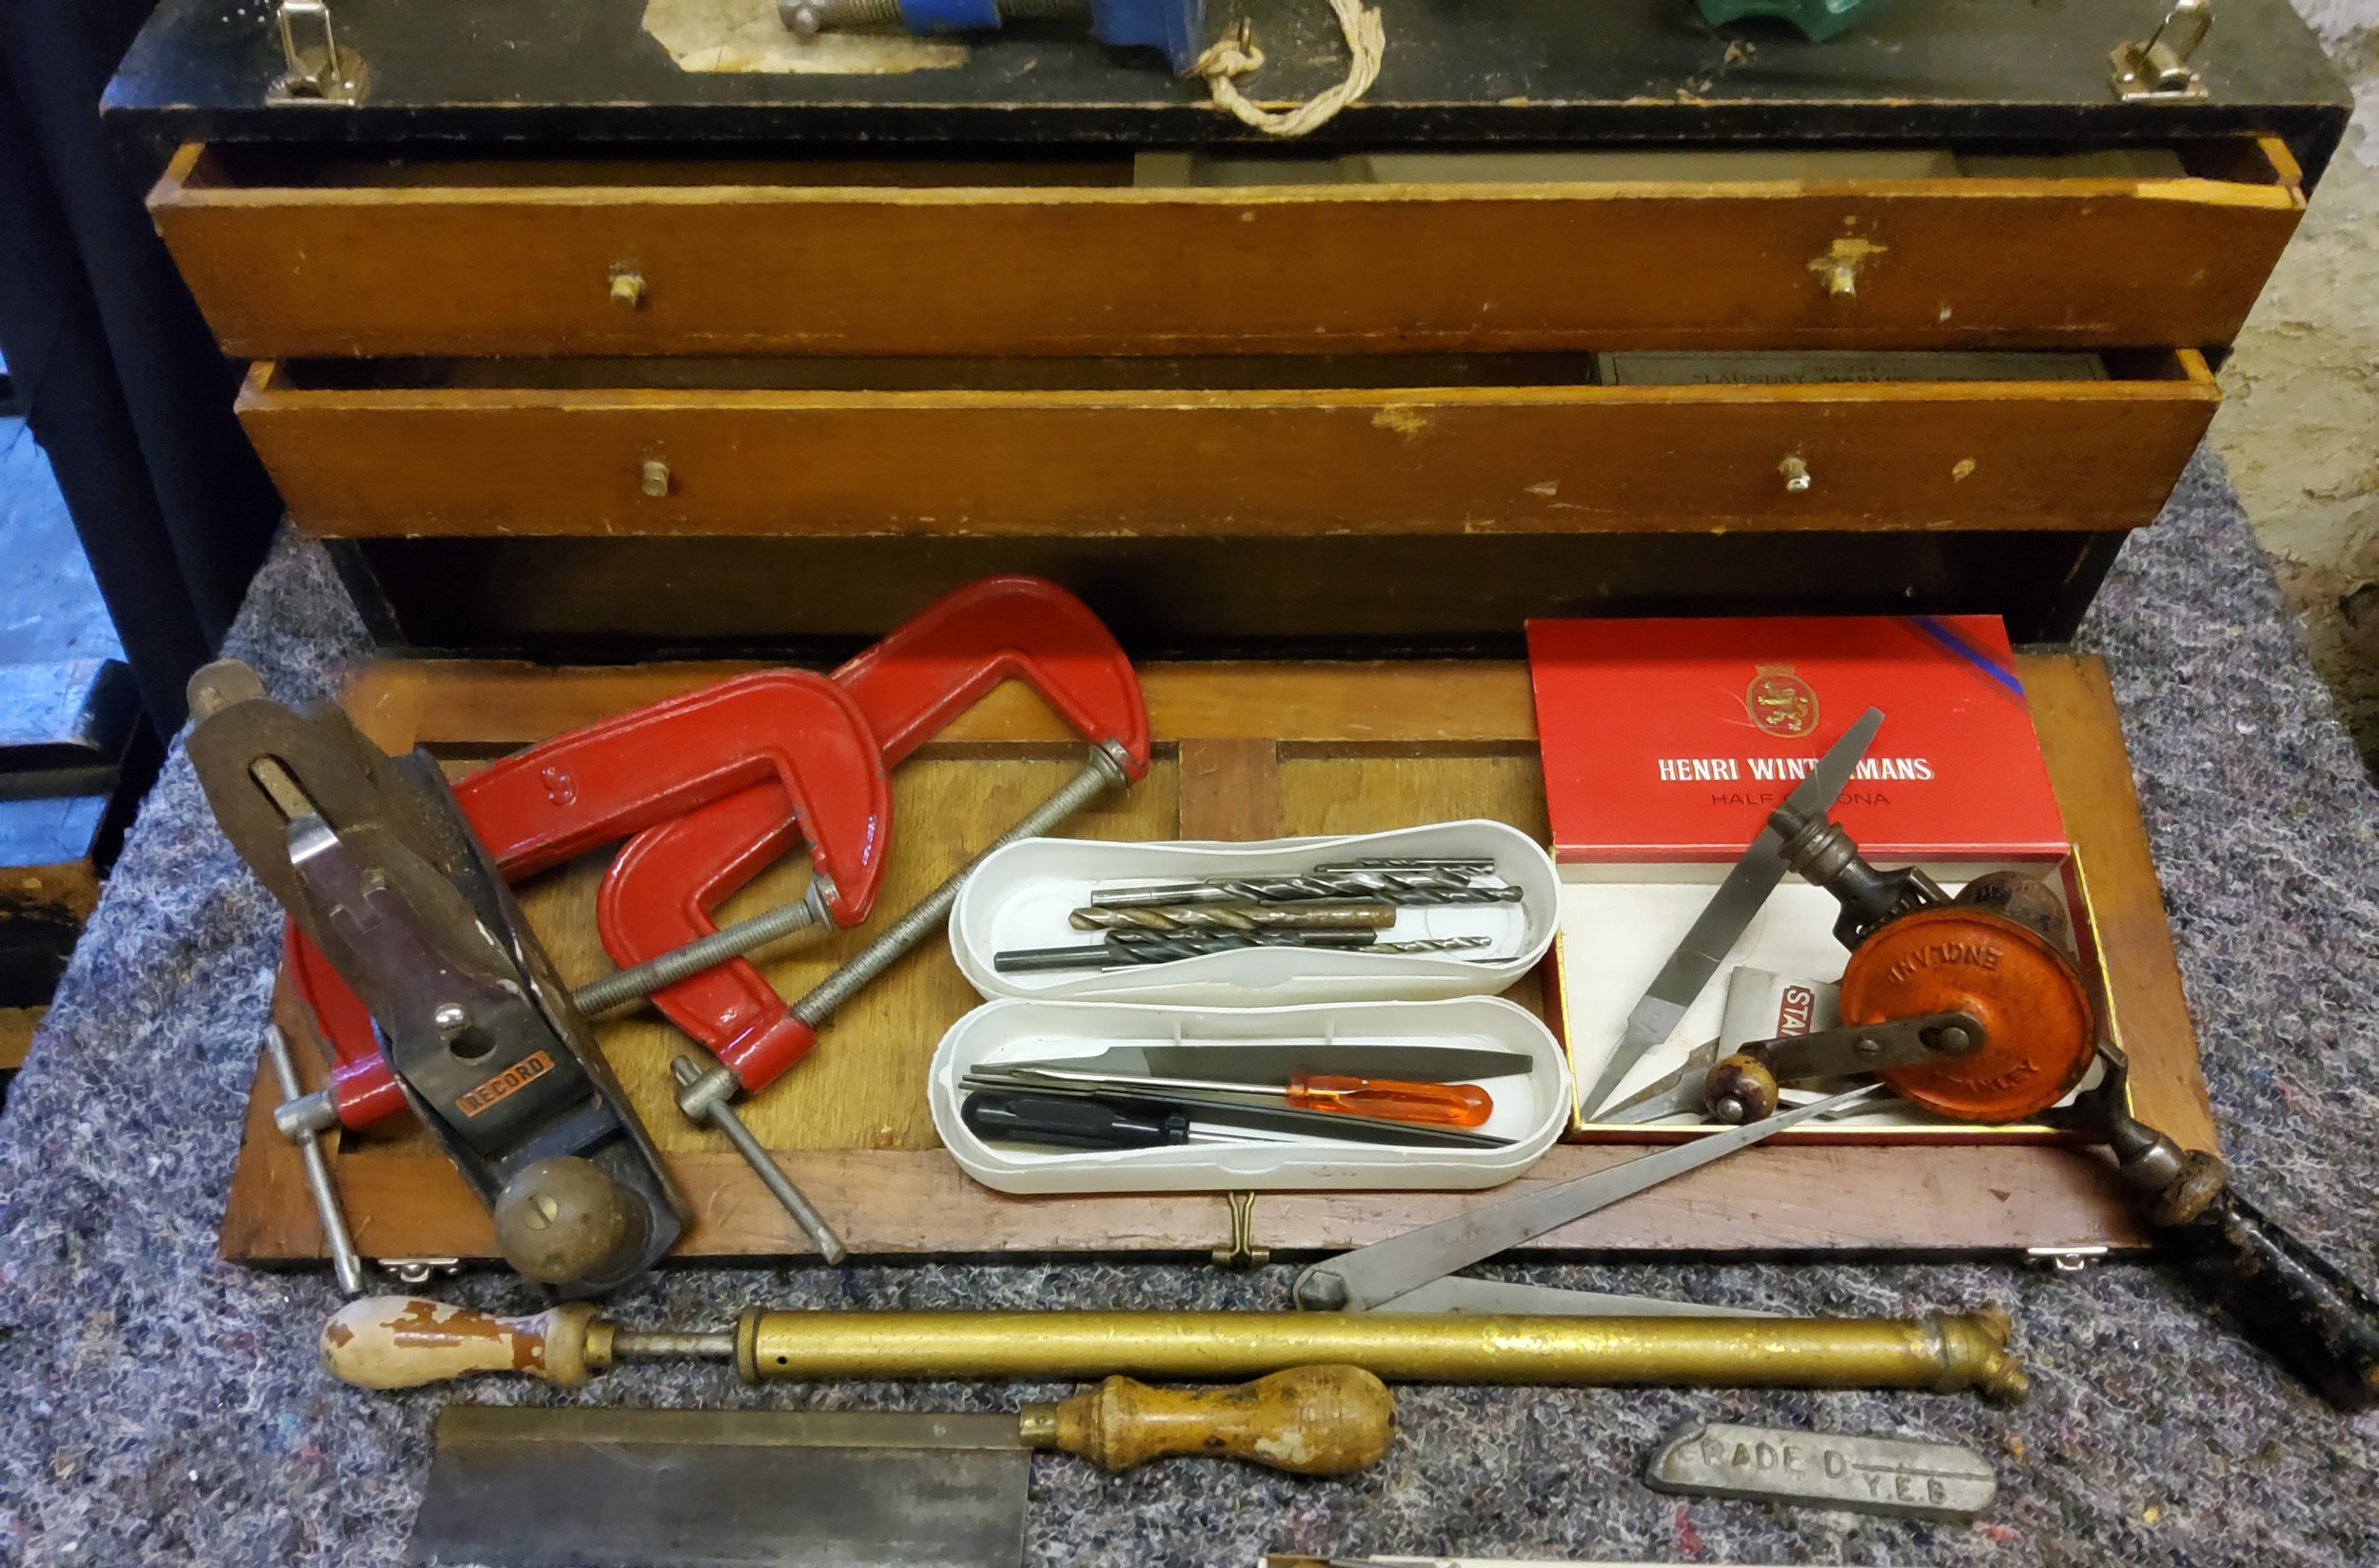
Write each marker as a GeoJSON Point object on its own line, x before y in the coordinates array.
{"type": "Point", "coordinates": [652, 479]}
{"type": "Point", "coordinates": [1796, 472]}
{"type": "Point", "coordinates": [1838, 266]}
{"type": "Point", "coordinates": [627, 287]}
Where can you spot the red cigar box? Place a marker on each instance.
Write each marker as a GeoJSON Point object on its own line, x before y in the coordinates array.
{"type": "Point", "coordinates": [1666, 744]}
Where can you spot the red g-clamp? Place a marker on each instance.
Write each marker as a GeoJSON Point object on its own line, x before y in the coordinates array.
{"type": "Point", "coordinates": [659, 893]}
{"type": "Point", "coordinates": [800, 733]}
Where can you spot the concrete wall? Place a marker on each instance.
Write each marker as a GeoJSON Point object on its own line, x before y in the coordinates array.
{"type": "Point", "coordinates": [2351, 29]}
{"type": "Point", "coordinates": [2299, 425]}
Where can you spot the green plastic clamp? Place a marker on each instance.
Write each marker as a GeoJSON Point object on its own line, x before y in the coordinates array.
{"type": "Point", "coordinates": [1819, 20]}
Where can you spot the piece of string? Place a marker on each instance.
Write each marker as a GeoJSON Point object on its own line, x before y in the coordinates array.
{"type": "Point", "coordinates": [1236, 55]}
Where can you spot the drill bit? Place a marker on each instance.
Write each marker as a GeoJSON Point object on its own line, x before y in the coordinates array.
{"type": "Point", "coordinates": [1475, 865]}
{"type": "Point", "coordinates": [1126, 947]}
{"type": "Point", "coordinates": [1384, 885]}
{"type": "Point", "coordinates": [1241, 918]}
{"type": "Point", "coordinates": [1148, 947]}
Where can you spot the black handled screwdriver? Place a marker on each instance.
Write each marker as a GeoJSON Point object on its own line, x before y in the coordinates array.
{"type": "Point", "coordinates": [1062, 1122]}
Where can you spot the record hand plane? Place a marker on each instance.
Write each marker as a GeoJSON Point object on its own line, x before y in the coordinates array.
{"type": "Point", "coordinates": [375, 863]}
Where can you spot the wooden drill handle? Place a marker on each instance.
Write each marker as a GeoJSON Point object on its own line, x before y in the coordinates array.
{"type": "Point", "coordinates": [2293, 1301]}
{"type": "Point", "coordinates": [1314, 1420]}
{"type": "Point", "coordinates": [403, 1341]}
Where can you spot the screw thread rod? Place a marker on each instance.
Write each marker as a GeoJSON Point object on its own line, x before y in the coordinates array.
{"type": "Point", "coordinates": [1099, 774]}
{"type": "Point", "coordinates": [607, 991]}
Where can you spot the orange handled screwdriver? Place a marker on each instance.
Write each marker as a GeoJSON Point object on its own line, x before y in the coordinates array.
{"type": "Point", "coordinates": [1393, 1099]}
{"type": "Point", "coordinates": [1388, 1099]}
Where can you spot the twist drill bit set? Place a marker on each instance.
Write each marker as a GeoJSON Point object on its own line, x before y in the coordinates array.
{"type": "Point", "coordinates": [1448, 909]}
{"type": "Point", "coordinates": [1330, 906]}
{"type": "Point", "coordinates": [1348, 1016]}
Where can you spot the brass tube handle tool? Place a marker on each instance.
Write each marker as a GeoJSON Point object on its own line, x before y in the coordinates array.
{"type": "Point", "coordinates": [396, 1341]}
{"type": "Point", "coordinates": [1311, 1420]}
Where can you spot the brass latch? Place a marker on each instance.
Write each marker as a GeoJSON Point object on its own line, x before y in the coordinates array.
{"type": "Point", "coordinates": [2159, 67]}
{"type": "Point", "coordinates": [1242, 1252]}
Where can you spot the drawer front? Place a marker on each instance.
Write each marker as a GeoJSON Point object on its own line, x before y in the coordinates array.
{"type": "Point", "coordinates": [540, 259]}
{"type": "Point", "coordinates": [1543, 459]}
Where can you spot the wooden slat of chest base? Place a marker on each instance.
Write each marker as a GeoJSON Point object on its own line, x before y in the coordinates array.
{"type": "Point", "coordinates": [488, 707]}
{"type": "Point", "coordinates": [16, 1034]}
{"type": "Point", "coordinates": [2080, 455]}
{"type": "Point", "coordinates": [905, 1203]}
{"type": "Point", "coordinates": [521, 261]}
{"type": "Point", "coordinates": [1335, 724]}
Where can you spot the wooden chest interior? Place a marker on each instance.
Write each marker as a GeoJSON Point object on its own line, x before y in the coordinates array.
{"type": "Point", "coordinates": [1244, 751]}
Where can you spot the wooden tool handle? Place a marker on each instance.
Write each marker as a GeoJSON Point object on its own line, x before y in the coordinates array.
{"type": "Point", "coordinates": [2292, 1301]}
{"type": "Point", "coordinates": [403, 1341]}
{"type": "Point", "coordinates": [1314, 1420]}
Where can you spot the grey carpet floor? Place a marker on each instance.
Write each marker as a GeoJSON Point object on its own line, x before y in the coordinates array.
{"type": "Point", "coordinates": [158, 1405]}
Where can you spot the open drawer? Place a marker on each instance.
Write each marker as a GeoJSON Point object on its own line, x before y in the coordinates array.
{"type": "Point", "coordinates": [1245, 751]}
{"type": "Point", "coordinates": [322, 254]}
{"type": "Point", "coordinates": [1269, 446]}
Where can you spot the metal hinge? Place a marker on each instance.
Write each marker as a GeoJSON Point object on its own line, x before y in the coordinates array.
{"type": "Point", "coordinates": [2071, 1259]}
{"type": "Point", "coordinates": [316, 70]}
{"type": "Point", "coordinates": [2159, 67]}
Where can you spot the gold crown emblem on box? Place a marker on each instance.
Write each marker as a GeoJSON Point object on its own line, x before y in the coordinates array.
{"type": "Point", "coordinates": [1780, 703]}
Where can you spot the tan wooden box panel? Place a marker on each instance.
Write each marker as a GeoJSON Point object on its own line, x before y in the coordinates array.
{"type": "Point", "coordinates": [479, 257]}
{"type": "Point", "coordinates": [2090, 455]}
{"type": "Point", "coordinates": [1245, 751]}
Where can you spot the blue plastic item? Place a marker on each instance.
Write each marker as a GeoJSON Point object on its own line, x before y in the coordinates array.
{"type": "Point", "coordinates": [1819, 20]}
{"type": "Point", "coordinates": [1177, 26]}
{"type": "Point", "coordinates": [924, 16]}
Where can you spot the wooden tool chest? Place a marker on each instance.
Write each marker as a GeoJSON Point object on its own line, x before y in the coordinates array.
{"type": "Point", "coordinates": [604, 357]}
{"type": "Point", "coordinates": [598, 358]}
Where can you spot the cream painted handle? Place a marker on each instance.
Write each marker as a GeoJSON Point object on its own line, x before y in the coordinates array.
{"type": "Point", "coordinates": [404, 1342]}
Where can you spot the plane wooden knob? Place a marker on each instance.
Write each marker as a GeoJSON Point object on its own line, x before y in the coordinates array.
{"type": "Point", "coordinates": [1313, 1420]}
{"type": "Point", "coordinates": [404, 1342]}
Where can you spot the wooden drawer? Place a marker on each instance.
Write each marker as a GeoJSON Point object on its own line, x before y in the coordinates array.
{"type": "Point", "coordinates": [1481, 451]}
{"type": "Point", "coordinates": [314, 254]}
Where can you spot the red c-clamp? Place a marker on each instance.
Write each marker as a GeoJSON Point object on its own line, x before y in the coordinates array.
{"type": "Point", "coordinates": [659, 893]}
{"type": "Point", "coordinates": [797, 736]}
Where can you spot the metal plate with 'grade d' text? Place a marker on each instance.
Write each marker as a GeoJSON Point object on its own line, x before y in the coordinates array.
{"type": "Point", "coordinates": [1895, 1475]}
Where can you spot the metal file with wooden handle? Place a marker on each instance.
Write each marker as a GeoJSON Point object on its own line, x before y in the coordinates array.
{"type": "Point", "coordinates": [396, 1341]}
